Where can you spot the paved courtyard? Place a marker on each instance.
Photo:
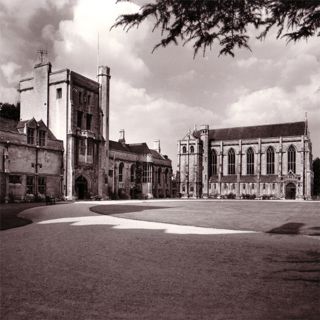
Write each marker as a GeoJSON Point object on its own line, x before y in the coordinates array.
{"type": "Point", "coordinates": [163, 260]}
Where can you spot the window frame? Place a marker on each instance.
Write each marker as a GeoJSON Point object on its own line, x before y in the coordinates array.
{"type": "Point", "coordinates": [231, 162]}
{"type": "Point", "coordinates": [250, 161]}
{"type": "Point", "coordinates": [270, 161]}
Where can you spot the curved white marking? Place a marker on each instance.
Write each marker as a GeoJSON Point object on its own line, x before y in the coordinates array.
{"type": "Point", "coordinates": [119, 223]}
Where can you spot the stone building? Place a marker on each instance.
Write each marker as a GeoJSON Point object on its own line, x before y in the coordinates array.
{"type": "Point", "coordinates": [31, 162]}
{"type": "Point", "coordinates": [76, 110]}
{"type": "Point", "coordinates": [266, 161]}
{"type": "Point", "coordinates": [136, 171]}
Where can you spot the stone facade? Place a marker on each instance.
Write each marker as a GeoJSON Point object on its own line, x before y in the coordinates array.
{"type": "Point", "coordinates": [31, 163]}
{"type": "Point", "coordinates": [270, 161]}
{"type": "Point", "coordinates": [76, 110]}
{"type": "Point", "coordinates": [138, 172]}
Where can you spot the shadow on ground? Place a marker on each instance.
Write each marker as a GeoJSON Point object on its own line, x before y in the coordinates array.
{"type": "Point", "coordinates": [119, 209]}
{"type": "Point", "coordinates": [288, 228]}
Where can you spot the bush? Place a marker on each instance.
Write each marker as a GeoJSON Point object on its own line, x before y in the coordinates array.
{"type": "Point", "coordinates": [231, 196]}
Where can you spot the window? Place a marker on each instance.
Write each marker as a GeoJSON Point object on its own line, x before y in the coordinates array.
{"type": "Point", "coordinates": [191, 189]}
{"type": "Point", "coordinates": [183, 188]}
{"type": "Point", "coordinates": [82, 149]}
{"type": "Point", "coordinates": [243, 186]}
{"type": "Point", "coordinates": [264, 186]}
{"type": "Point", "coordinates": [213, 163]}
{"type": "Point", "coordinates": [79, 119]}
{"type": "Point", "coordinates": [270, 160]}
{"type": "Point", "coordinates": [252, 185]}
{"type": "Point", "coordinates": [42, 138]}
{"type": "Point", "coordinates": [292, 159]}
{"type": "Point", "coordinates": [214, 186]}
{"type": "Point", "coordinates": [14, 179]}
{"type": "Point", "coordinates": [225, 186]}
{"type": "Point", "coordinates": [273, 186]}
{"type": "Point", "coordinates": [233, 186]}
{"type": "Point", "coordinates": [88, 98]}
{"type": "Point", "coordinates": [250, 161]}
{"type": "Point", "coordinates": [192, 149]}
{"type": "Point", "coordinates": [30, 185]}
{"type": "Point", "coordinates": [166, 175]}
{"type": "Point", "coordinates": [90, 147]}
{"type": "Point", "coordinates": [159, 176]}
{"type": "Point", "coordinates": [184, 149]}
{"type": "Point", "coordinates": [231, 162]}
{"type": "Point", "coordinates": [59, 93]}
{"type": "Point", "coordinates": [110, 173]}
{"type": "Point", "coordinates": [30, 135]}
{"type": "Point", "coordinates": [80, 97]}
{"type": "Point", "coordinates": [42, 185]}
{"type": "Point", "coordinates": [145, 172]}
{"type": "Point", "coordinates": [89, 121]}
{"type": "Point", "coordinates": [132, 173]}
{"type": "Point", "coordinates": [121, 172]}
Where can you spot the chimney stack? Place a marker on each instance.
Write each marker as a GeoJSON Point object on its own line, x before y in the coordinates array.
{"type": "Point", "coordinates": [122, 138]}
{"type": "Point", "coordinates": [156, 146]}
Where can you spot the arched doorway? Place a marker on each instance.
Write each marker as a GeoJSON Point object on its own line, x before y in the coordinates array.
{"type": "Point", "coordinates": [81, 187]}
{"type": "Point", "coordinates": [290, 191]}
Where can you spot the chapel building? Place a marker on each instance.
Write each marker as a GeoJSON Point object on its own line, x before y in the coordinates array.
{"type": "Point", "coordinates": [265, 161]}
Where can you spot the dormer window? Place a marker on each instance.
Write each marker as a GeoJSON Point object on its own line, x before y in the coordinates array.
{"type": "Point", "coordinates": [42, 138]}
{"type": "Point", "coordinates": [30, 135]}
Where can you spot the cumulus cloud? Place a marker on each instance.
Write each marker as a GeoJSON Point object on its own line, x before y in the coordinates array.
{"type": "Point", "coordinates": [161, 95]}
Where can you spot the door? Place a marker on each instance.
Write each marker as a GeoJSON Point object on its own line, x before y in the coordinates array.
{"type": "Point", "coordinates": [290, 191]}
{"type": "Point", "coordinates": [81, 186]}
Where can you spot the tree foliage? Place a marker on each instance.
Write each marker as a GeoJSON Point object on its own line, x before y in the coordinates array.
{"type": "Point", "coordinates": [226, 22]}
{"type": "Point", "coordinates": [10, 111]}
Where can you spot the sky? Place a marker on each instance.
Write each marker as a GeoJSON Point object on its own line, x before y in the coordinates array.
{"type": "Point", "coordinates": [161, 95]}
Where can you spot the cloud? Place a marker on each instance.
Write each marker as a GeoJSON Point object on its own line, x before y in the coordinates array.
{"type": "Point", "coordinates": [10, 71]}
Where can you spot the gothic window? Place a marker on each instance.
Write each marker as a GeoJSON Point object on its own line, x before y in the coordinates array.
{"type": "Point", "coordinates": [270, 160]}
{"type": "Point", "coordinates": [292, 159]}
{"type": "Point", "coordinates": [250, 161]}
{"type": "Point", "coordinates": [132, 173]}
{"type": "Point", "coordinates": [159, 176]}
{"type": "Point", "coordinates": [184, 149]}
{"type": "Point", "coordinates": [231, 162]}
{"type": "Point", "coordinates": [214, 170]}
{"type": "Point", "coordinates": [30, 135]}
{"type": "Point", "coordinates": [192, 149]}
{"type": "Point", "coordinates": [121, 172]}
{"type": "Point", "coordinates": [264, 186]}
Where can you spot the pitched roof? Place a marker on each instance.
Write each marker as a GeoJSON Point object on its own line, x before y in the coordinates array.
{"type": "Point", "coordinates": [263, 131]}
{"type": "Point", "coordinates": [139, 148]}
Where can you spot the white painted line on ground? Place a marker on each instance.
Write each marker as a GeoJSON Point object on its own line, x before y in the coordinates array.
{"type": "Point", "coordinates": [119, 223]}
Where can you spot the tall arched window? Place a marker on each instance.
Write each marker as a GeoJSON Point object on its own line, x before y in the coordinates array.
{"type": "Point", "coordinates": [121, 172]}
{"type": "Point", "coordinates": [231, 162]}
{"type": "Point", "coordinates": [159, 176]}
{"type": "Point", "coordinates": [132, 173]}
{"type": "Point", "coordinates": [270, 160]}
{"type": "Point", "coordinates": [192, 149]}
{"type": "Point", "coordinates": [214, 170]}
{"type": "Point", "coordinates": [184, 149]}
{"type": "Point", "coordinates": [166, 175]}
{"type": "Point", "coordinates": [292, 159]}
{"type": "Point", "coordinates": [250, 161]}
